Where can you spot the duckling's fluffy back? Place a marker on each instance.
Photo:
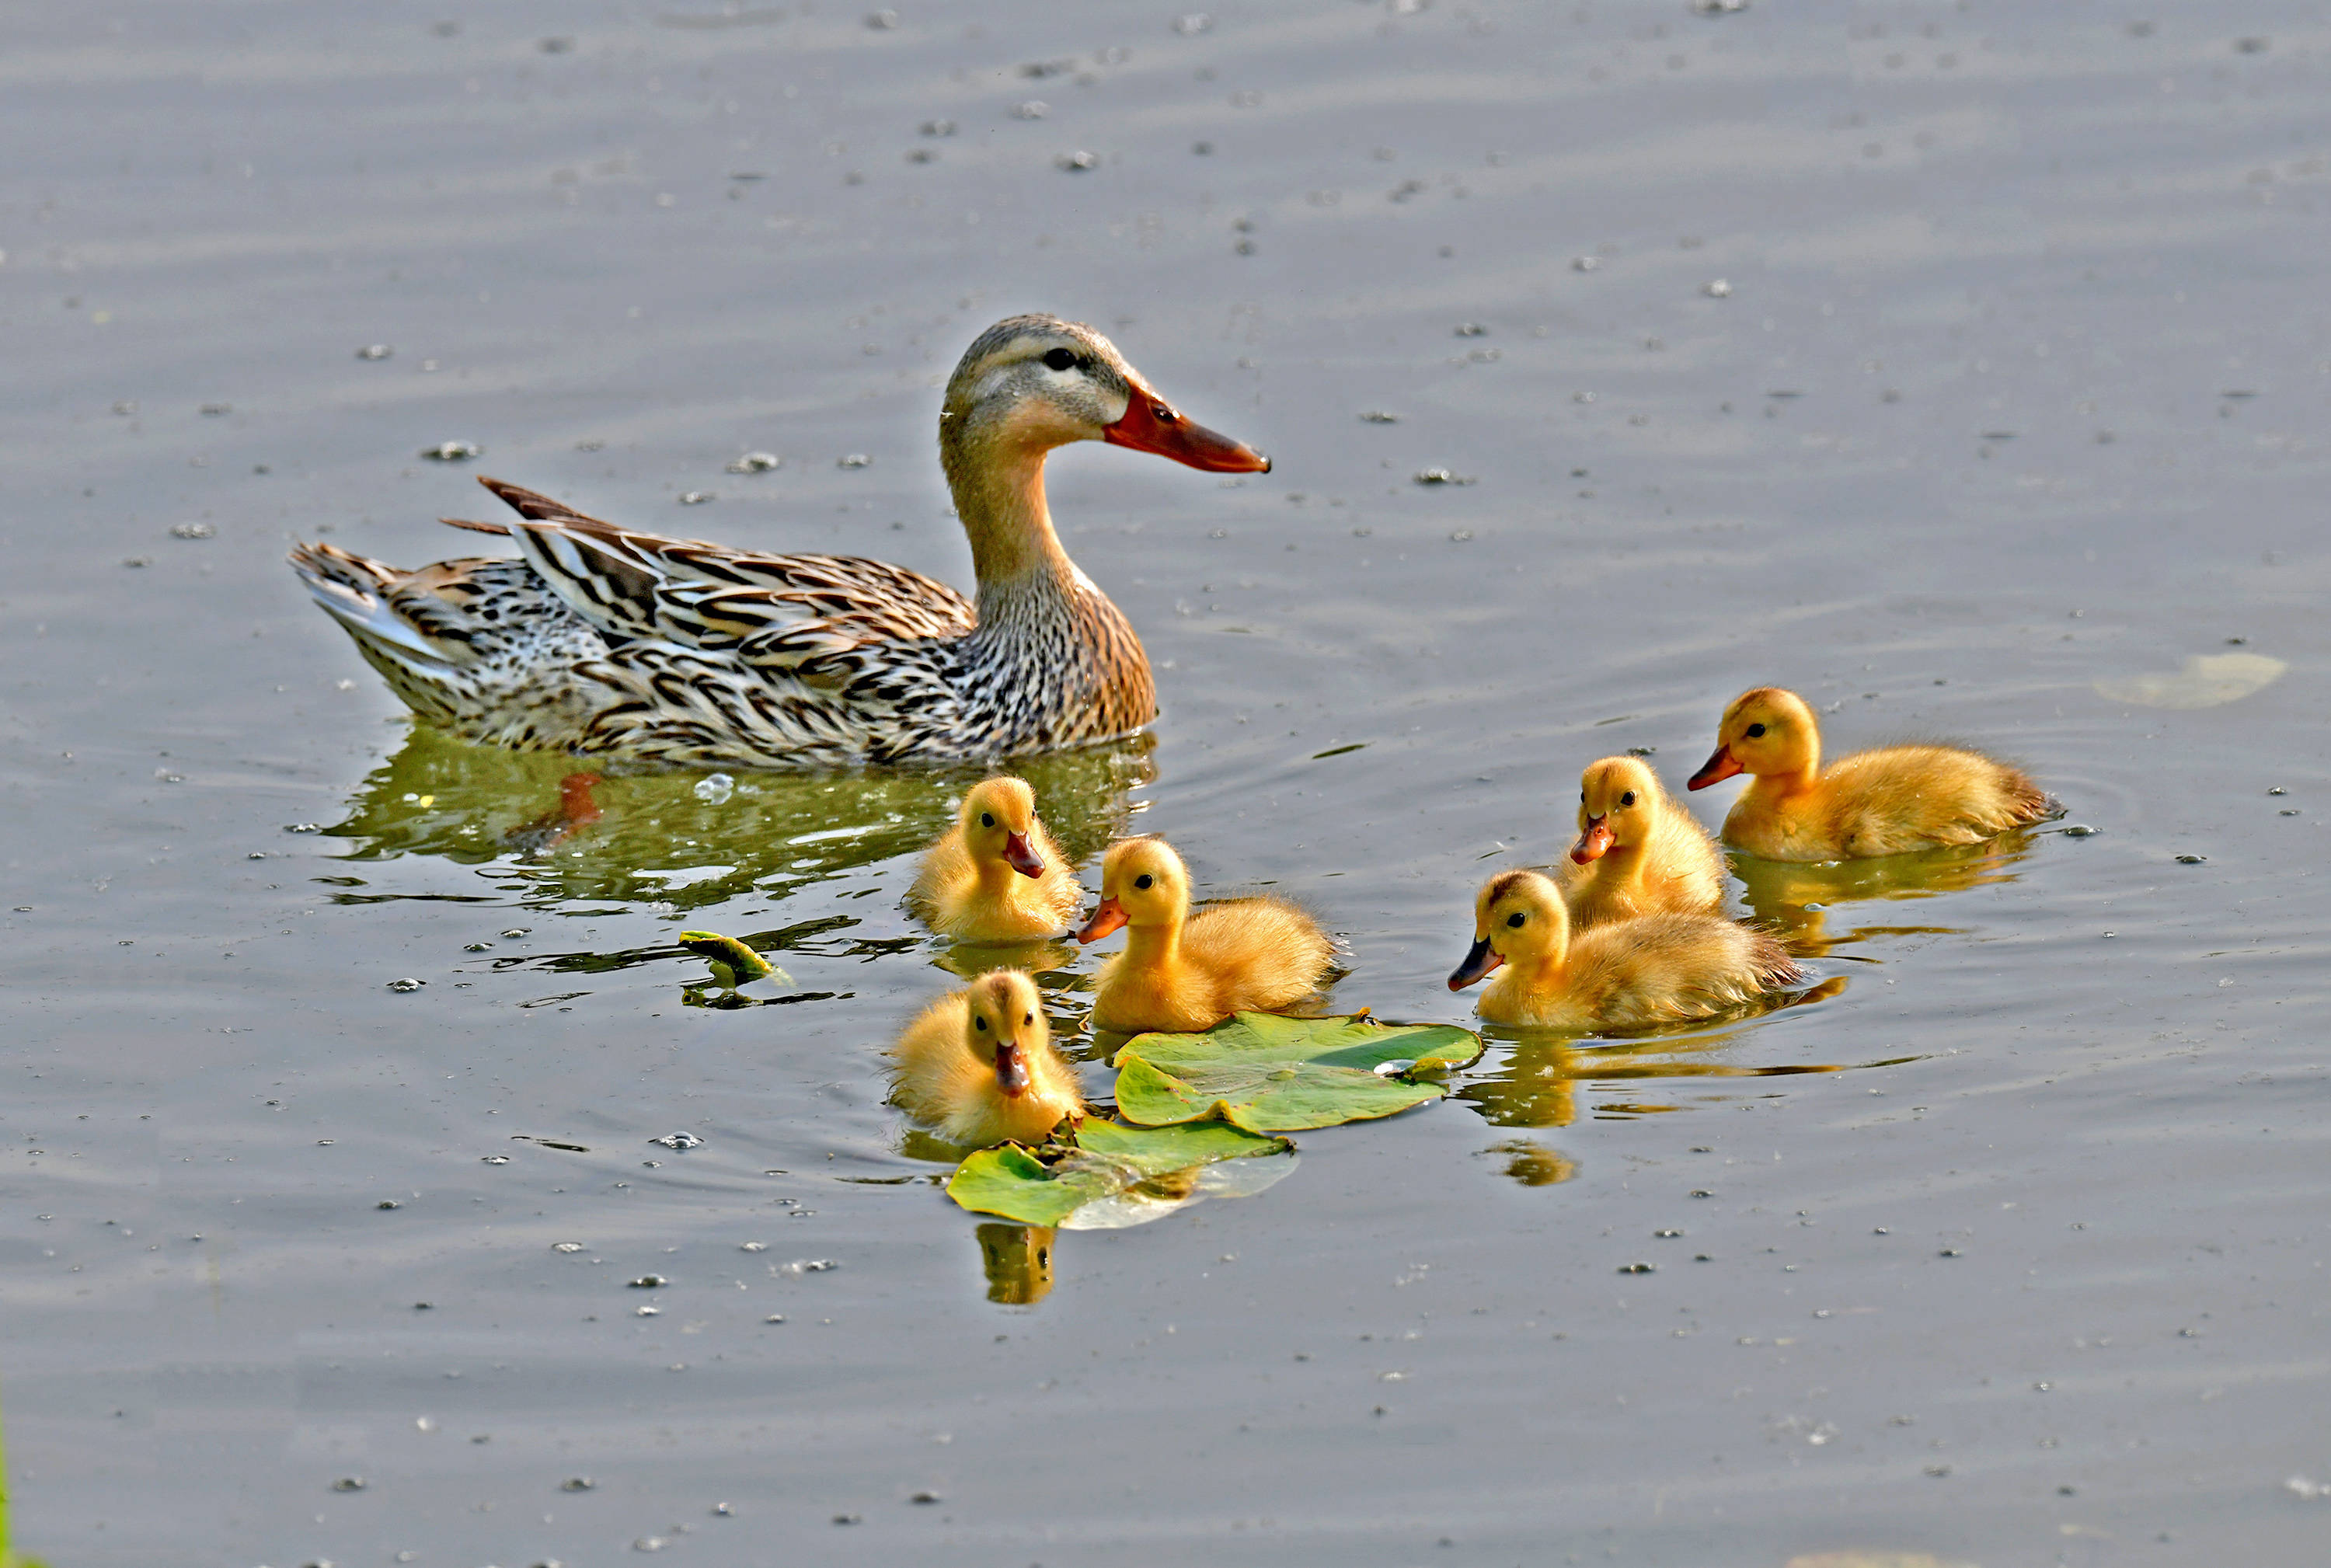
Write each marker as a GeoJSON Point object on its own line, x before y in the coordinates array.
{"type": "Point", "coordinates": [1892, 800]}
{"type": "Point", "coordinates": [1266, 952]}
{"type": "Point", "coordinates": [1636, 974]}
{"type": "Point", "coordinates": [941, 1084]}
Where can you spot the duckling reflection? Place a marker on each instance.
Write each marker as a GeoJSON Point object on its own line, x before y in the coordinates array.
{"type": "Point", "coordinates": [1533, 1164]}
{"type": "Point", "coordinates": [1018, 1262]}
{"type": "Point", "coordinates": [1791, 898]}
{"type": "Point", "coordinates": [1536, 1083]}
{"type": "Point", "coordinates": [656, 837]}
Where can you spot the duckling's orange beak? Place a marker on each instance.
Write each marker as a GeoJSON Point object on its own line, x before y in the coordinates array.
{"type": "Point", "coordinates": [1595, 842]}
{"type": "Point", "coordinates": [1721, 764]}
{"type": "Point", "coordinates": [1479, 959]}
{"type": "Point", "coordinates": [1151, 424]}
{"type": "Point", "coordinates": [1011, 1069]}
{"type": "Point", "coordinates": [1020, 857]}
{"type": "Point", "coordinates": [1105, 919]}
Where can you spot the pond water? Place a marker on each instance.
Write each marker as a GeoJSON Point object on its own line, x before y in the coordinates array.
{"type": "Point", "coordinates": [1960, 365]}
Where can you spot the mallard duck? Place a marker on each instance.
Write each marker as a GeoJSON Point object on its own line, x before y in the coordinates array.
{"type": "Point", "coordinates": [1632, 974]}
{"type": "Point", "coordinates": [1640, 852]}
{"type": "Point", "coordinates": [1873, 802]}
{"type": "Point", "coordinates": [606, 641]}
{"type": "Point", "coordinates": [977, 1066]}
{"type": "Point", "coordinates": [1184, 971]}
{"type": "Point", "coordinates": [996, 876]}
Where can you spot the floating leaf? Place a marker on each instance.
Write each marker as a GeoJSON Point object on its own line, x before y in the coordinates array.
{"type": "Point", "coordinates": [1267, 1074]}
{"type": "Point", "coordinates": [2207, 680]}
{"type": "Point", "coordinates": [733, 962]}
{"type": "Point", "coordinates": [1115, 1175]}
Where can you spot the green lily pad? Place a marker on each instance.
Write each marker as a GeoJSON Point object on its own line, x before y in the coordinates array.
{"type": "Point", "coordinates": [1269, 1074]}
{"type": "Point", "coordinates": [1115, 1175]}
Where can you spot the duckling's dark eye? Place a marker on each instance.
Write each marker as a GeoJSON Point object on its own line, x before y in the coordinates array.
{"type": "Point", "coordinates": [1145, 880]}
{"type": "Point", "coordinates": [1030, 1019]}
{"type": "Point", "coordinates": [1756, 731]}
{"type": "Point", "coordinates": [988, 819]}
{"type": "Point", "coordinates": [1516, 919]}
{"type": "Point", "coordinates": [1628, 798]}
{"type": "Point", "coordinates": [980, 1024]}
{"type": "Point", "coordinates": [1061, 359]}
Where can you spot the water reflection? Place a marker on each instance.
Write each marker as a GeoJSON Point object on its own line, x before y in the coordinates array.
{"type": "Point", "coordinates": [1533, 1164]}
{"type": "Point", "coordinates": [649, 836]}
{"type": "Point", "coordinates": [1791, 901]}
{"type": "Point", "coordinates": [1535, 1082]}
{"type": "Point", "coordinates": [1018, 1262]}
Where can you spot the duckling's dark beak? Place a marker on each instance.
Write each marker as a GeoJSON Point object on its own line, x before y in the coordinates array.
{"type": "Point", "coordinates": [1020, 857]}
{"type": "Point", "coordinates": [1151, 424]}
{"type": "Point", "coordinates": [1010, 1069]}
{"type": "Point", "coordinates": [1595, 842]}
{"type": "Point", "coordinates": [1105, 919]}
{"type": "Point", "coordinates": [1721, 764]}
{"type": "Point", "coordinates": [1479, 959]}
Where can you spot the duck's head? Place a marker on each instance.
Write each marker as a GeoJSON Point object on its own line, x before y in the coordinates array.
{"type": "Point", "coordinates": [1765, 731]}
{"type": "Point", "coordinates": [997, 816]}
{"type": "Point", "coordinates": [1004, 1026]}
{"type": "Point", "coordinates": [1036, 382]}
{"type": "Point", "coordinates": [1142, 882]}
{"type": "Point", "coordinates": [1518, 915]}
{"type": "Point", "coordinates": [1619, 798]}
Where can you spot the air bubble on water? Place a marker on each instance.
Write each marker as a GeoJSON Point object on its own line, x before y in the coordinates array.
{"type": "Point", "coordinates": [1719, 7]}
{"type": "Point", "coordinates": [756, 462]}
{"type": "Point", "coordinates": [1192, 23]}
{"type": "Point", "coordinates": [126, 406]}
{"type": "Point", "coordinates": [577, 1484]}
{"type": "Point", "coordinates": [810, 1266]}
{"type": "Point", "coordinates": [678, 1140]}
{"type": "Point", "coordinates": [2192, 859]}
{"type": "Point", "coordinates": [1471, 329]}
{"type": "Point", "coordinates": [406, 983]}
{"type": "Point", "coordinates": [696, 497]}
{"type": "Point", "coordinates": [494, 1159]}
{"type": "Point", "coordinates": [648, 1311]}
{"type": "Point", "coordinates": [1076, 162]}
{"type": "Point", "coordinates": [853, 459]}
{"type": "Point", "coordinates": [375, 351]}
{"type": "Point", "coordinates": [753, 1247]}
{"type": "Point", "coordinates": [882, 21]}
{"type": "Point", "coordinates": [1033, 109]}
{"type": "Point", "coordinates": [1379, 416]}
{"type": "Point", "coordinates": [388, 1203]}
{"type": "Point", "coordinates": [453, 451]}
{"type": "Point", "coordinates": [514, 932]}
{"type": "Point", "coordinates": [715, 788]}
{"type": "Point", "coordinates": [477, 947]}
{"type": "Point", "coordinates": [1584, 264]}
{"type": "Point", "coordinates": [1442, 476]}
{"type": "Point", "coordinates": [192, 531]}
{"type": "Point", "coordinates": [349, 1484]}
{"type": "Point", "coordinates": [1718, 288]}
{"type": "Point", "coordinates": [1638, 1268]}
{"type": "Point", "coordinates": [649, 1282]}
{"type": "Point", "coordinates": [567, 1246]}
{"type": "Point", "coordinates": [936, 128]}
{"type": "Point", "coordinates": [2081, 830]}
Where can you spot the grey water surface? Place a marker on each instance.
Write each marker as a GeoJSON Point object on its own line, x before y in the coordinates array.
{"type": "Point", "coordinates": [1963, 365]}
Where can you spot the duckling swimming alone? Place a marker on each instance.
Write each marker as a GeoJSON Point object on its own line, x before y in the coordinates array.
{"type": "Point", "coordinates": [1883, 802]}
{"type": "Point", "coordinates": [1622, 975]}
{"type": "Point", "coordinates": [1643, 853]}
{"type": "Point", "coordinates": [1182, 972]}
{"type": "Point", "coordinates": [978, 1068]}
{"type": "Point", "coordinates": [996, 875]}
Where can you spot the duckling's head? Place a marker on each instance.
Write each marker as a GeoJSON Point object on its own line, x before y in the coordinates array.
{"type": "Point", "coordinates": [1518, 915]}
{"type": "Point", "coordinates": [1765, 731]}
{"type": "Point", "coordinates": [1142, 882]}
{"type": "Point", "coordinates": [997, 816]}
{"type": "Point", "coordinates": [1619, 799]}
{"type": "Point", "coordinates": [1036, 382]}
{"type": "Point", "coordinates": [1004, 1026]}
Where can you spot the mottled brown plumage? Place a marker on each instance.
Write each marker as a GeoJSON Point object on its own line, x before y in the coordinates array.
{"type": "Point", "coordinates": [607, 640]}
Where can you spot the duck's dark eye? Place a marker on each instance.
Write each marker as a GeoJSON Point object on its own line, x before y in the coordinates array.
{"type": "Point", "coordinates": [1145, 881]}
{"type": "Point", "coordinates": [1628, 798]}
{"type": "Point", "coordinates": [988, 819]}
{"type": "Point", "coordinates": [1030, 1019]}
{"type": "Point", "coordinates": [1516, 919]}
{"type": "Point", "coordinates": [980, 1024]}
{"type": "Point", "coordinates": [1756, 731]}
{"type": "Point", "coordinates": [1061, 359]}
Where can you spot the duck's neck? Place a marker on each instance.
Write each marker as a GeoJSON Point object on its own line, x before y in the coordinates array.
{"type": "Point", "coordinates": [1154, 946]}
{"type": "Point", "coordinates": [998, 880]}
{"type": "Point", "coordinates": [1622, 867]}
{"type": "Point", "coordinates": [998, 485]}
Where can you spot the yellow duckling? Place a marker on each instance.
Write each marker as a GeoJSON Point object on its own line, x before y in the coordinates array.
{"type": "Point", "coordinates": [1625, 975]}
{"type": "Point", "coordinates": [978, 1067]}
{"type": "Point", "coordinates": [1643, 854]}
{"type": "Point", "coordinates": [995, 876]}
{"type": "Point", "coordinates": [1184, 971]}
{"type": "Point", "coordinates": [1873, 802]}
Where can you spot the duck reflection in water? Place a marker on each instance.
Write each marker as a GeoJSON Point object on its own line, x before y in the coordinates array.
{"type": "Point", "coordinates": [1793, 901]}
{"type": "Point", "coordinates": [1018, 1261]}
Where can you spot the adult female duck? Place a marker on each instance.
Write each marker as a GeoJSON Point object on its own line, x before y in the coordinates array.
{"type": "Point", "coordinates": [608, 641]}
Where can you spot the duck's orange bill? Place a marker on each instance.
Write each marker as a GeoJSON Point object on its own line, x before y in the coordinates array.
{"type": "Point", "coordinates": [1020, 857]}
{"type": "Point", "coordinates": [1720, 765]}
{"type": "Point", "coordinates": [1105, 919]}
{"type": "Point", "coordinates": [1011, 1069]}
{"type": "Point", "coordinates": [1151, 424]}
{"type": "Point", "coordinates": [1595, 842]}
{"type": "Point", "coordinates": [1479, 959]}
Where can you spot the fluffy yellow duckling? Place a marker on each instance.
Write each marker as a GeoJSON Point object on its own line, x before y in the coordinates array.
{"type": "Point", "coordinates": [1625, 975]}
{"type": "Point", "coordinates": [1183, 972]}
{"type": "Point", "coordinates": [1643, 853]}
{"type": "Point", "coordinates": [1885, 802]}
{"type": "Point", "coordinates": [978, 1067]}
{"type": "Point", "coordinates": [995, 876]}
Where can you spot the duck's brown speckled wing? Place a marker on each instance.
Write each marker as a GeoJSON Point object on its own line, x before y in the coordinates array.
{"type": "Point", "coordinates": [770, 612]}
